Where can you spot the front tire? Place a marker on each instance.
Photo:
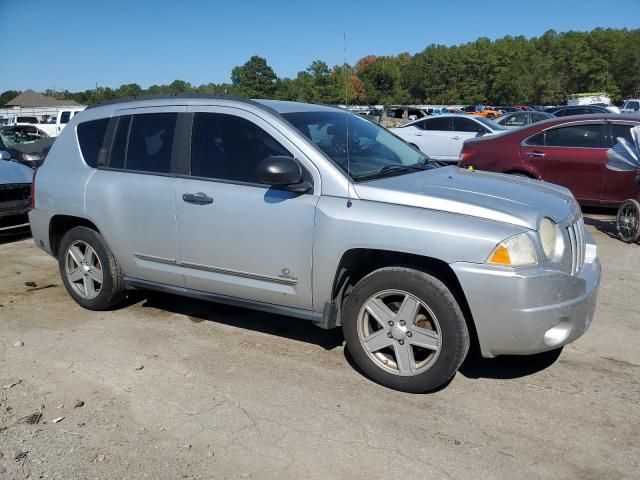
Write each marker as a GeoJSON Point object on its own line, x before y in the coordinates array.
{"type": "Point", "coordinates": [628, 221]}
{"type": "Point", "coordinates": [89, 270]}
{"type": "Point", "coordinates": [405, 330]}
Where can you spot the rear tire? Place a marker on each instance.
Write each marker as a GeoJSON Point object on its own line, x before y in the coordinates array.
{"type": "Point", "coordinates": [405, 330]}
{"type": "Point", "coordinates": [628, 221]}
{"type": "Point", "coordinates": [89, 270]}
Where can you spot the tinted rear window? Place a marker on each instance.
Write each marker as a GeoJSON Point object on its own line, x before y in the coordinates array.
{"type": "Point", "coordinates": [90, 137]}
{"type": "Point", "coordinates": [151, 142]}
{"type": "Point", "coordinates": [439, 124]}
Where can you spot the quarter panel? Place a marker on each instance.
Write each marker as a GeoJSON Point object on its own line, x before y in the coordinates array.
{"type": "Point", "coordinates": [375, 225]}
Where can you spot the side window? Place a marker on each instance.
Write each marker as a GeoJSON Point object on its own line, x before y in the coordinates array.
{"type": "Point", "coordinates": [227, 147]}
{"type": "Point", "coordinates": [150, 142]}
{"type": "Point", "coordinates": [90, 138]}
{"type": "Point", "coordinates": [537, 117]}
{"type": "Point", "coordinates": [119, 143]}
{"type": "Point", "coordinates": [584, 136]}
{"type": "Point", "coordinates": [394, 113]}
{"type": "Point", "coordinates": [65, 117]}
{"type": "Point", "coordinates": [536, 140]}
{"type": "Point", "coordinates": [516, 120]}
{"type": "Point", "coordinates": [621, 130]}
{"type": "Point", "coordinates": [438, 123]}
{"type": "Point", "coordinates": [634, 106]}
{"type": "Point", "coordinates": [466, 125]}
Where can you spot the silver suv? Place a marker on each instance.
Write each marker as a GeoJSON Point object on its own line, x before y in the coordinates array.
{"type": "Point", "coordinates": [316, 213]}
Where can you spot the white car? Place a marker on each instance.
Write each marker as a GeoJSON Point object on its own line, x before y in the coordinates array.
{"type": "Point", "coordinates": [441, 137]}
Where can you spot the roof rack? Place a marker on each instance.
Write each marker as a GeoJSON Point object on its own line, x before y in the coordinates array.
{"type": "Point", "coordinates": [171, 96]}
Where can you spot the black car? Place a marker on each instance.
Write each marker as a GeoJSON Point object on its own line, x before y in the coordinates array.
{"type": "Point", "coordinates": [565, 111]}
{"type": "Point", "coordinates": [26, 144]}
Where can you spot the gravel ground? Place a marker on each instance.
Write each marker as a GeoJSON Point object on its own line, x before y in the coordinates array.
{"type": "Point", "coordinates": [174, 388]}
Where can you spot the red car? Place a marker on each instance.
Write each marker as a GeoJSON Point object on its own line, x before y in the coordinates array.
{"type": "Point", "coordinates": [569, 151]}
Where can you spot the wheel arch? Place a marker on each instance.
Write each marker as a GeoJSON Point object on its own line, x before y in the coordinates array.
{"type": "Point", "coordinates": [356, 263]}
{"type": "Point", "coordinates": [59, 225]}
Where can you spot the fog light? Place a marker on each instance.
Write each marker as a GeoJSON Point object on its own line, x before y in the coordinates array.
{"type": "Point", "coordinates": [557, 334]}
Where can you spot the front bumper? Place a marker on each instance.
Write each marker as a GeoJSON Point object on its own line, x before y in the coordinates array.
{"type": "Point", "coordinates": [529, 311]}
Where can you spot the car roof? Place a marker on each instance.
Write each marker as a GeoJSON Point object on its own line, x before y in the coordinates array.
{"type": "Point", "coordinates": [273, 106]}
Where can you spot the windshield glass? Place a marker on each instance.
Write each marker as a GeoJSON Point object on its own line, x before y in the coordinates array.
{"type": "Point", "coordinates": [372, 150]}
{"type": "Point", "coordinates": [491, 124]}
{"type": "Point", "coordinates": [15, 136]}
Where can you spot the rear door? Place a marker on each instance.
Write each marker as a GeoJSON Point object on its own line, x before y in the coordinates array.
{"type": "Point", "coordinates": [573, 156]}
{"type": "Point", "coordinates": [619, 186]}
{"type": "Point", "coordinates": [131, 196]}
{"type": "Point", "coordinates": [432, 136]}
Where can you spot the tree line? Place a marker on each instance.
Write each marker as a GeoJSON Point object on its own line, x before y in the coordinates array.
{"type": "Point", "coordinates": [510, 70]}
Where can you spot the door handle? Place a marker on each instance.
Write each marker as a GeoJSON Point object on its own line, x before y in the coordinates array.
{"type": "Point", "coordinates": [535, 154]}
{"type": "Point", "coordinates": [197, 198]}
{"type": "Point", "coordinates": [455, 138]}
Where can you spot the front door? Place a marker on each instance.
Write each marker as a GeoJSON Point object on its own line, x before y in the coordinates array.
{"type": "Point", "coordinates": [238, 237]}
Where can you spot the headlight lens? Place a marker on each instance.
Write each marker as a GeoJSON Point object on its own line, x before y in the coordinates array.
{"type": "Point", "coordinates": [548, 237]}
{"type": "Point", "coordinates": [516, 251]}
{"type": "Point", "coordinates": [30, 157]}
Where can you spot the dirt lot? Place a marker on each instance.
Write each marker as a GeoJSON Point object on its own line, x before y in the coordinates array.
{"type": "Point", "coordinates": [175, 388]}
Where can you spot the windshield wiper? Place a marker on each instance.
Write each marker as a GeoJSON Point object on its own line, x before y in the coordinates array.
{"type": "Point", "coordinates": [388, 169]}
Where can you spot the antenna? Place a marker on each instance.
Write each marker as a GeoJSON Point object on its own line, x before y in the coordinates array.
{"type": "Point", "coordinates": [346, 106]}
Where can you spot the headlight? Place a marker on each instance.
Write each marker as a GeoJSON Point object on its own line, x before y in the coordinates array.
{"type": "Point", "coordinates": [30, 157]}
{"type": "Point", "coordinates": [549, 238]}
{"type": "Point", "coordinates": [516, 251]}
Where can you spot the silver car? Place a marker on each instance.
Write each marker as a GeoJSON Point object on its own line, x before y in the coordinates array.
{"type": "Point", "coordinates": [316, 213]}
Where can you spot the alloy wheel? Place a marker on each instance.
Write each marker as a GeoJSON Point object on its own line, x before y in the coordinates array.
{"type": "Point", "coordinates": [399, 332]}
{"type": "Point", "coordinates": [83, 269]}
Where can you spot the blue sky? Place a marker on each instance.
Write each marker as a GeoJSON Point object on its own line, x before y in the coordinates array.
{"type": "Point", "coordinates": [73, 44]}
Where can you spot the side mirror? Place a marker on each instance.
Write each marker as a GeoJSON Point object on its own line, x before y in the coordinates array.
{"type": "Point", "coordinates": [4, 155]}
{"type": "Point", "coordinates": [279, 170]}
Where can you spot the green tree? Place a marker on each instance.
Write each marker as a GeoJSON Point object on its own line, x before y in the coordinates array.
{"type": "Point", "coordinates": [7, 96]}
{"type": "Point", "coordinates": [254, 79]}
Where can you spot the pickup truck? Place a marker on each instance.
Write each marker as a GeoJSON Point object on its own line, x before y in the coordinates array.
{"type": "Point", "coordinates": [631, 105]}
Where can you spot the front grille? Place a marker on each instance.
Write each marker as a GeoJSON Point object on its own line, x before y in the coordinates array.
{"type": "Point", "coordinates": [13, 192]}
{"type": "Point", "coordinates": [577, 244]}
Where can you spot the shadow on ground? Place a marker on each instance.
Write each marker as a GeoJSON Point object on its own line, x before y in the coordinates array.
{"type": "Point", "coordinates": [604, 220]}
{"type": "Point", "coordinates": [15, 236]}
{"type": "Point", "coordinates": [508, 366]}
{"type": "Point", "coordinates": [269, 323]}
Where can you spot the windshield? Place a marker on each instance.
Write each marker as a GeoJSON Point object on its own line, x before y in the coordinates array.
{"type": "Point", "coordinates": [491, 124]}
{"type": "Point", "coordinates": [15, 136]}
{"type": "Point", "coordinates": [372, 150]}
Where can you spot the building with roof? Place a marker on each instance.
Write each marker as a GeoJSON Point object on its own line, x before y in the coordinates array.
{"type": "Point", "coordinates": [34, 103]}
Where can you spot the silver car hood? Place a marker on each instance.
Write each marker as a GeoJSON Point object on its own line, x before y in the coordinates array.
{"type": "Point", "coordinates": [494, 196]}
{"type": "Point", "coordinates": [12, 172]}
